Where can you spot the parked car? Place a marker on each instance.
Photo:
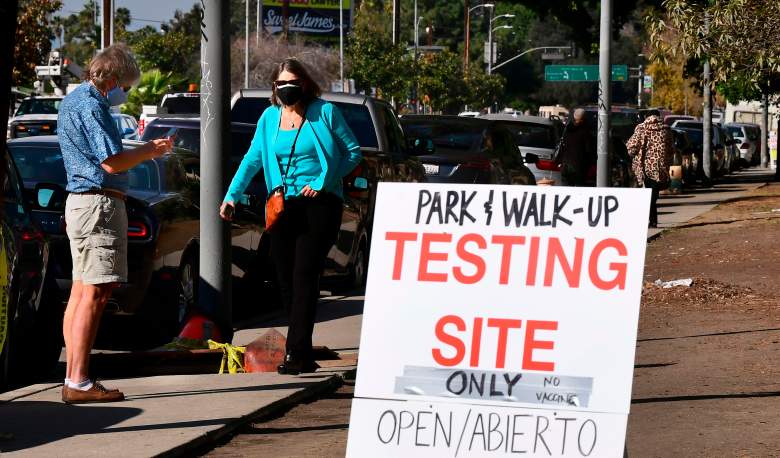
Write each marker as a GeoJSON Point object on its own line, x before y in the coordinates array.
{"type": "Point", "coordinates": [34, 307]}
{"type": "Point", "coordinates": [385, 158]}
{"type": "Point", "coordinates": [455, 149]}
{"type": "Point", "coordinates": [126, 125]}
{"type": "Point", "coordinates": [536, 135]}
{"type": "Point", "coordinates": [686, 150]}
{"type": "Point", "coordinates": [177, 104]}
{"type": "Point", "coordinates": [163, 226]}
{"type": "Point", "coordinates": [624, 122]}
{"type": "Point", "coordinates": [669, 120]}
{"type": "Point", "coordinates": [721, 154]}
{"type": "Point", "coordinates": [748, 137]}
{"type": "Point", "coordinates": [35, 116]}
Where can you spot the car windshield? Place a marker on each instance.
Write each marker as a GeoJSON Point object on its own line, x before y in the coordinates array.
{"type": "Point", "coordinates": [735, 131]}
{"type": "Point", "coordinates": [182, 105]}
{"type": "Point", "coordinates": [187, 137]}
{"type": "Point", "coordinates": [249, 109]}
{"type": "Point", "coordinates": [39, 106]}
{"type": "Point", "coordinates": [43, 164]}
{"type": "Point", "coordinates": [447, 135]}
{"type": "Point", "coordinates": [532, 135]}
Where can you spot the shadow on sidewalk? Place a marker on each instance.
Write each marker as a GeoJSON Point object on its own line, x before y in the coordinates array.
{"type": "Point", "coordinates": [255, 388]}
{"type": "Point", "coordinates": [36, 423]}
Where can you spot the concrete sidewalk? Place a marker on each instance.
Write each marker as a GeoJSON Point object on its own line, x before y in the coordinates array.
{"type": "Point", "coordinates": [674, 210]}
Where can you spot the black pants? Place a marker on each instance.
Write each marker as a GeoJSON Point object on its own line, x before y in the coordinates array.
{"type": "Point", "coordinates": [572, 175]}
{"type": "Point", "coordinates": [300, 242]}
{"type": "Point", "coordinates": [656, 188]}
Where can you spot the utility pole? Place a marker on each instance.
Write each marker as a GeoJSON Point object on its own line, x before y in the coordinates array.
{"type": "Point", "coordinates": [105, 30]}
{"type": "Point", "coordinates": [641, 77]}
{"type": "Point", "coordinates": [467, 26]}
{"type": "Point", "coordinates": [215, 263]}
{"type": "Point", "coordinates": [605, 94]}
{"type": "Point", "coordinates": [416, 45]}
{"type": "Point", "coordinates": [258, 27]}
{"type": "Point", "coordinates": [341, 43]}
{"type": "Point", "coordinates": [765, 128]}
{"type": "Point", "coordinates": [707, 115]}
{"type": "Point", "coordinates": [490, 43]}
{"type": "Point", "coordinates": [113, 12]}
{"type": "Point", "coordinates": [246, 45]}
{"type": "Point", "coordinates": [396, 21]}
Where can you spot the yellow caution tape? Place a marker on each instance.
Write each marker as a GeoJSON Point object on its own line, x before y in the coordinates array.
{"type": "Point", "coordinates": [4, 286]}
{"type": "Point", "coordinates": [232, 356]}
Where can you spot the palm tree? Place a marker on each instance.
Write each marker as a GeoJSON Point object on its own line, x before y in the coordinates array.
{"type": "Point", "coordinates": [152, 86]}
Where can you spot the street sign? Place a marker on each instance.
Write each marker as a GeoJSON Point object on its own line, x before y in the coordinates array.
{"type": "Point", "coordinates": [496, 316]}
{"type": "Point", "coordinates": [553, 55]}
{"type": "Point", "coordinates": [582, 73]}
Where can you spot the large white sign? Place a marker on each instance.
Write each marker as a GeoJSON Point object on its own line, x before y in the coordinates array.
{"type": "Point", "coordinates": [499, 308]}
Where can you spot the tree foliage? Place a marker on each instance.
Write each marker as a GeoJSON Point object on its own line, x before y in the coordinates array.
{"type": "Point", "coordinates": [741, 38]}
{"type": "Point", "coordinates": [33, 38]}
{"type": "Point", "coordinates": [150, 89]}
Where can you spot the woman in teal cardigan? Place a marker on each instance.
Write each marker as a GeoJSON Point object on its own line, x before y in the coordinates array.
{"type": "Point", "coordinates": [305, 148]}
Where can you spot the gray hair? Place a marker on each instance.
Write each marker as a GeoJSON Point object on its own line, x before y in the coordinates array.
{"type": "Point", "coordinates": [115, 61]}
{"type": "Point", "coordinates": [579, 113]}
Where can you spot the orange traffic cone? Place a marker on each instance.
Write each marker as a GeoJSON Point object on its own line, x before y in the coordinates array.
{"type": "Point", "coordinates": [199, 327]}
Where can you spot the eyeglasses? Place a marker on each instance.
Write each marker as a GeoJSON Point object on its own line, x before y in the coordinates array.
{"type": "Point", "coordinates": [280, 83]}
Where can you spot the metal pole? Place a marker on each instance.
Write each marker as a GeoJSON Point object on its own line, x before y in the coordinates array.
{"type": "Point", "coordinates": [765, 129]}
{"type": "Point", "coordinates": [396, 21]}
{"type": "Point", "coordinates": [257, 25]}
{"type": "Point", "coordinates": [605, 94]}
{"type": "Point", "coordinates": [467, 28]}
{"type": "Point", "coordinates": [490, 43]}
{"type": "Point", "coordinates": [106, 28]}
{"type": "Point", "coordinates": [113, 11]}
{"type": "Point", "coordinates": [707, 115]}
{"type": "Point", "coordinates": [246, 45]}
{"type": "Point", "coordinates": [639, 86]}
{"type": "Point", "coordinates": [215, 263]}
{"type": "Point", "coordinates": [341, 43]}
{"type": "Point", "coordinates": [416, 44]}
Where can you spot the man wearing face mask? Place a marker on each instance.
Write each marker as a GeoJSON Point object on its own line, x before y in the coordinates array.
{"type": "Point", "coordinates": [96, 167]}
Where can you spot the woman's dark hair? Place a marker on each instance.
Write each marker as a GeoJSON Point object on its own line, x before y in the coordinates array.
{"type": "Point", "coordinates": [311, 89]}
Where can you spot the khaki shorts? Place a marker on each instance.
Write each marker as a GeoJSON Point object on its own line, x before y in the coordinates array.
{"type": "Point", "coordinates": [97, 229]}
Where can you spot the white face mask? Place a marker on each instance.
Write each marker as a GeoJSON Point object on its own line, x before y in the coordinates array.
{"type": "Point", "coordinates": [116, 96]}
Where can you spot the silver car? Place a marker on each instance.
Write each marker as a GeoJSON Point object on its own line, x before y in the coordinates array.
{"type": "Point", "coordinates": [535, 135]}
{"type": "Point", "coordinates": [748, 137]}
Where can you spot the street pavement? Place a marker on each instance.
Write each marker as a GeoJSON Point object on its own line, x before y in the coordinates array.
{"type": "Point", "coordinates": [177, 415]}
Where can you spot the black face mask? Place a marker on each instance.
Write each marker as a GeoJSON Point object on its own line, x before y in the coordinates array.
{"type": "Point", "coordinates": [289, 94]}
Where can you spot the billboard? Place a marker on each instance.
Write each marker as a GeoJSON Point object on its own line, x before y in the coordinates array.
{"type": "Point", "coordinates": [313, 18]}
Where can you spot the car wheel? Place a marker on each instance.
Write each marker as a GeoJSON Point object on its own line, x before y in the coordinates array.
{"type": "Point", "coordinates": [187, 289]}
{"type": "Point", "coordinates": [359, 268]}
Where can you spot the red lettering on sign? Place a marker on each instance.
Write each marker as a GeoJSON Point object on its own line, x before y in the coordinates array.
{"type": "Point", "coordinates": [570, 270]}
{"type": "Point", "coordinates": [471, 258]}
{"type": "Point", "coordinates": [506, 241]}
{"type": "Point", "coordinates": [400, 238]}
{"type": "Point", "coordinates": [447, 339]}
{"type": "Point", "coordinates": [618, 267]}
{"type": "Point", "coordinates": [426, 256]}
{"type": "Point", "coordinates": [531, 344]}
{"type": "Point", "coordinates": [503, 325]}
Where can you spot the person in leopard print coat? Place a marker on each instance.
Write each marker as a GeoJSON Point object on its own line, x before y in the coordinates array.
{"type": "Point", "coordinates": [651, 148]}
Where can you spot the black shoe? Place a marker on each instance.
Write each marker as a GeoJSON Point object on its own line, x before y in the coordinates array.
{"type": "Point", "coordinates": [295, 366]}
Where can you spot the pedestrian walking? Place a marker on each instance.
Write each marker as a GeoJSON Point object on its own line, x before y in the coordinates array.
{"type": "Point", "coordinates": [576, 153]}
{"type": "Point", "coordinates": [305, 148]}
{"type": "Point", "coordinates": [96, 168]}
{"type": "Point", "coordinates": [651, 148]}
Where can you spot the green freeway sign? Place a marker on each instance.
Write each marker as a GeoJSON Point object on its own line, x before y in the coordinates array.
{"type": "Point", "coordinates": [582, 73]}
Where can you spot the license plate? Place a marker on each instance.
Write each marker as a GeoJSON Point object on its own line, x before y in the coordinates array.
{"type": "Point", "coordinates": [431, 169]}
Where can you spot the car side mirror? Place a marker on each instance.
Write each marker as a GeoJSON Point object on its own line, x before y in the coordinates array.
{"type": "Point", "coordinates": [49, 196]}
{"type": "Point", "coordinates": [127, 131]}
{"type": "Point", "coordinates": [531, 158]}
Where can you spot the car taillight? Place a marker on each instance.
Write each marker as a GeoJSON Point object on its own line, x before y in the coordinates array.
{"type": "Point", "coordinates": [744, 145]}
{"type": "Point", "coordinates": [141, 125]}
{"type": "Point", "coordinates": [544, 164]}
{"type": "Point", "coordinates": [478, 164]}
{"type": "Point", "coordinates": [29, 235]}
{"type": "Point", "coordinates": [137, 230]}
{"type": "Point", "coordinates": [21, 128]}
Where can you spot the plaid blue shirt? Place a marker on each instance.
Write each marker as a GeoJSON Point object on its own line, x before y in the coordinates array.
{"type": "Point", "coordinates": [88, 136]}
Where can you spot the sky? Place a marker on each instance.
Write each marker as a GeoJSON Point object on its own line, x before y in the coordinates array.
{"type": "Point", "coordinates": [143, 12]}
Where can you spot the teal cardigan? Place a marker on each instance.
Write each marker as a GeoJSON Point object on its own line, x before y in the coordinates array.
{"type": "Point", "coordinates": [337, 148]}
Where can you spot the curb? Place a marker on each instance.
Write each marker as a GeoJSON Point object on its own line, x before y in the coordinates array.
{"type": "Point", "coordinates": [209, 439]}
